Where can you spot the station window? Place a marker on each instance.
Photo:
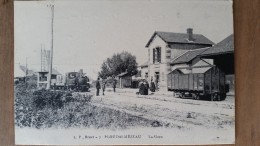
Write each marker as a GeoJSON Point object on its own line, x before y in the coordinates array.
{"type": "Point", "coordinates": [157, 55]}
{"type": "Point", "coordinates": [43, 77]}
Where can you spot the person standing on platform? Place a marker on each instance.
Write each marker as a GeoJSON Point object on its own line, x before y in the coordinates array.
{"type": "Point", "coordinates": [146, 87]}
{"type": "Point", "coordinates": [114, 84]}
{"type": "Point", "coordinates": [157, 84]}
{"type": "Point", "coordinates": [141, 87]}
{"type": "Point", "coordinates": [104, 86]}
{"type": "Point", "coordinates": [152, 87]}
{"type": "Point", "coordinates": [98, 86]}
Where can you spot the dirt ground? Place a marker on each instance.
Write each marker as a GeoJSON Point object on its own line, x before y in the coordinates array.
{"type": "Point", "coordinates": [177, 121]}
{"type": "Point", "coordinates": [170, 111]}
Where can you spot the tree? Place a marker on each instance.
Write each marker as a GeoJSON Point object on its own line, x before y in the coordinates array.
{"type": "Point", "coordinates": [118, 63]}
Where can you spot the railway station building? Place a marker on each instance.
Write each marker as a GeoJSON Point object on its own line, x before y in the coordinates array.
{"type": "Point", "coordinates": [164, 47]}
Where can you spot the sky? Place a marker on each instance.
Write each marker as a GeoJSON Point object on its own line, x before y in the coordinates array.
{"type": "Point", "coordinates": [87, 32]}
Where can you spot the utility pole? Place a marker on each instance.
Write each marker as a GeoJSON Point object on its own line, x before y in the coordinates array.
{"type": "Point", "coordinates": [26, 69]}
{"type": "Point", "coordinates": [41, 58]}
{"type": "Point", "coordinates": [51, 53]}
{"type": "Point", "coordinates": [45, 58]}
{"type": "Point", "coordinates": [26, 72]}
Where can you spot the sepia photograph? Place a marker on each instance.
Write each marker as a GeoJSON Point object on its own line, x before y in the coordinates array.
{"type": "Point", "coordinates": [107, 72]}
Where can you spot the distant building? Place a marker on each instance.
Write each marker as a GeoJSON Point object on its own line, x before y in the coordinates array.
{"type": "Point", "coordinates": [125, 80]}
{"type": "Point", "coordinates": [141, 74]}
{"type": "Point", "coordinates": [144, 70]}
{"type": "Point", "coordinates": [20, 72]}
{"type": "Point", "coordinates": [42, 80]}
{"type": "Point", "coordinates": [165, 47]}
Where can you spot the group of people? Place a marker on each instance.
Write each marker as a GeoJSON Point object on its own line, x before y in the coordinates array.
{"type": "Point", "coordinates": [103, 85]}
{"type": "Point", "coordinates": [144, 87]}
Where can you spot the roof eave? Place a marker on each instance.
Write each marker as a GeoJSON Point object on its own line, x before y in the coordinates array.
{"type": "Point", "coordinates": [191, 43]}
{"type": "Point", "coordinates": [151, 39]}
{"type": "Point", "coordinates": [214, 54]}
{"type": "Point", "coordinates": [183, 62]}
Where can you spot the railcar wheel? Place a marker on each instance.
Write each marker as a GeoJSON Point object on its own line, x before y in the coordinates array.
{"type": "Point", "coordinates": [182, 95]}
{"type": "Point", "coordinates": [193, 96]}
{"type": "Point", "coordinates": [216, 97]}
{"type": "Point", "coordinates": [179, 95]}
{"type": "Point", "coordinates": [176, 94]}
{"type": "Point", "coordinates": [223, 96]}
{"type": "Point", "coordinates": [198, 97]}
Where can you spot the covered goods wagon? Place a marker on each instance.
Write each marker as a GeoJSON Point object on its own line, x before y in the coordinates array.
{"type": "Point", "coordinates": [198, 82]}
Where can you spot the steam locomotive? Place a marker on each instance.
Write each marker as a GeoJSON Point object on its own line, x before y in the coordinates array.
{"type": "Point", "coordinates": [72, 81]}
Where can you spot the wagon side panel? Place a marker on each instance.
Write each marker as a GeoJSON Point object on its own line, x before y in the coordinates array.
{"type": "Point", "coordinates": [184, 82]}
{"type": "Point", "coordinates": [181, 82]}
{"type": "Point", "coordinates": [207, 82]}
{"type": "Point", "coordinates": [221, 81]}
{"type": "Point", "coordinates": [176, 81]}
{"type": "Point", "coordinates": [201, 82]}
{"type": "Point", "coordinates": [215, 80]}
{"type": "Point", "coordinates": [169, 81]}
{"type": "Point", "coordinates": [191, 81]}
{"type": "Point", "coordinates": [195, 82]}
{"type": "Point", "coordinates": [173, 81]}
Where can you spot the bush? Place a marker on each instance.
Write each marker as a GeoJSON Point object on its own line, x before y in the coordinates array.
{"type": "Point", "coordinates": [45, 109]}
{"type": "Point", "coordinates": [49, 99]}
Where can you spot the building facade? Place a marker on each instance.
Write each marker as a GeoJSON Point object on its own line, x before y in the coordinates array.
{"type": "Point", "coordinates": [143, 70]}
{"type": "Point", "coordinates": [164, 47]}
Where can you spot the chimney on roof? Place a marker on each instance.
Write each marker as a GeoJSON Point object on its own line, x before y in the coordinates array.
{"type": "Point", "coordinates": [190, 34]}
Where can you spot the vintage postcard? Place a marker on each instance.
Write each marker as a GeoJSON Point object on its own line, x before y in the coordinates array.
{"type": "Point", "coordinates": [99, 72]}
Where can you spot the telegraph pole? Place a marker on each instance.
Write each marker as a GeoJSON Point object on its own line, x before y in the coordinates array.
{"type": "Point", "coordinates": [51, 53]}
{"type": "Point", "coordinates": [26, 72]}
{"type": "Point", "coordinates": [41, 58]}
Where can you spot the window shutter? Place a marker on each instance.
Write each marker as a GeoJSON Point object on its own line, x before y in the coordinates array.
{"type": "Point", "coordinates": [153, 55]}
{"type": "Point", "coordinates": [149, 56]}
{"type": "Point", "coordinates": [156, 55]}
{"type": "Point", "coordinates": [159, 55]}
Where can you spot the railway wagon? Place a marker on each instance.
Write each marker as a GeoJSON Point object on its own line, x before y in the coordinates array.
{"type": "Point", "coordinates": [198, 82]}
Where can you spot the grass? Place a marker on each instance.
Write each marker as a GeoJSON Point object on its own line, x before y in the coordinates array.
{"type": "Point", "coordinates": [61, 109]}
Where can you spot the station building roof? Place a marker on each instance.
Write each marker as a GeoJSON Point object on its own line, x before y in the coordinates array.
{"type": "Point", "coordinates": [188, 56]}
{"type": "Point", "coordinates": [223, 47]}
{"type": "Point", "coordinates": [172, 37]}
